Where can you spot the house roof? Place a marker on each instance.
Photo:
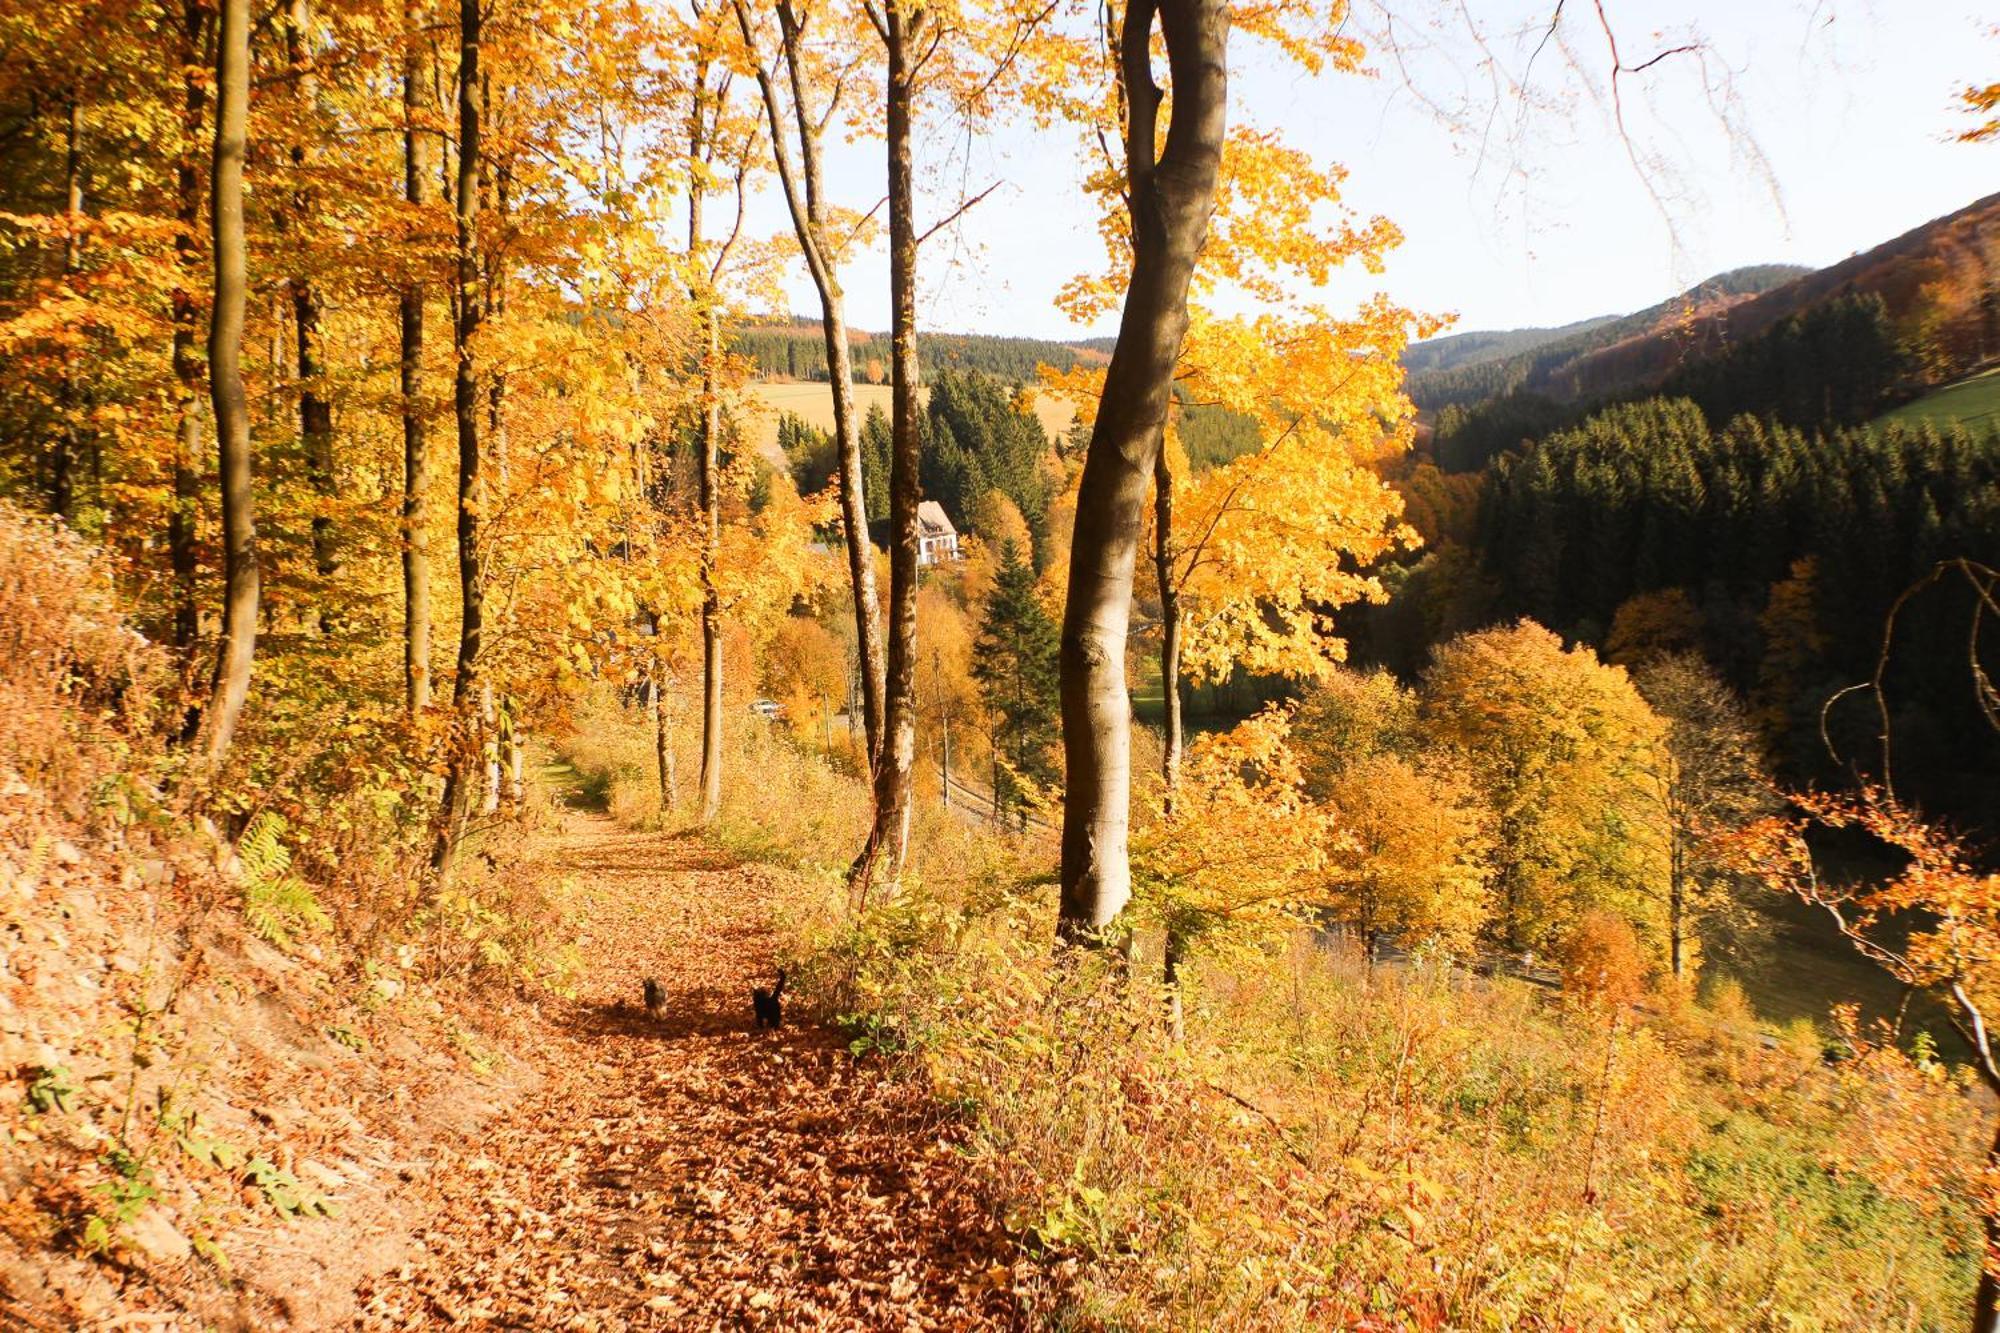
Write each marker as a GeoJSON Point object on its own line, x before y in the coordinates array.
{"type": "Point", "coordinates": [932, 522]}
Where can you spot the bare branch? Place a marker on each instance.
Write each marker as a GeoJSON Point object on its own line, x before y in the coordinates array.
{"type": "Point", "coordinates": [958, 212]}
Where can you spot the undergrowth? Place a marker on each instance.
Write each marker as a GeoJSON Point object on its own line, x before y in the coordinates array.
{"type": "Point", "coordinates": [140, 904]}
{"type": "Point", "coordinates": [1336, 1145]}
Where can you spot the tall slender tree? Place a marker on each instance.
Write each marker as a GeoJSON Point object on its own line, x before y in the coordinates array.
{"type": "Point", "coordinates": [1172, 191]}
{"type": "Point", "coordinates": [315, 408]}
{"type": "Point", "coordinates": [416, 538]}
{"type": "Point", "coordinates": [467, 311]}
{"type": "Point", "coordinates": [1014, 661]}
{"type": "Point", "coordinates": [240, 575]}
{"type": "Point", "coordinates": [68, 434]}
{"type": "Point", "coordinates": [717, 155]}
{"type": "Point", "coordinates": [907, 35]}
{"type": "Point", "coordinates": [196, 31]}
{"type": "Point", "coordinates": [804, 186]}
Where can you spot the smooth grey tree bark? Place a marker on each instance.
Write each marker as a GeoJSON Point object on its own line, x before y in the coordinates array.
{"type": "Point", "coordinates": [902, 28]}
{"type": "Point", "coordinates": [240, 576]}
{"type": "Point", "coordinates": [703, 132]}
{"type": "Point", "coordinates": [1171, 190]}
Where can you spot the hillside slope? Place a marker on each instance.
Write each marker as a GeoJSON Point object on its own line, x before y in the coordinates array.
{"type": "Point", "coordinates": [1487, 364]}
{"type": "Point", "coordinates": [224, 1107]}
{"type": "Point", "coordinates": [1479, 346]}
{"type": "Point", "coordinates": [1936, 280]}
{"type": "Point", "coordinates": [213, 1103]}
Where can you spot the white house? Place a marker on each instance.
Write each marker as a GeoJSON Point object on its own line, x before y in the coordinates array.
{"type": "Point", "coordinates": [937, 539]}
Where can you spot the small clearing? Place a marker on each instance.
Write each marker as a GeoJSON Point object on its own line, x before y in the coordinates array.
{"type": "Point", "coordinates": [1973, 402]}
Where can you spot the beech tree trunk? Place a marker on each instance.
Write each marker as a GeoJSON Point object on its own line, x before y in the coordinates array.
{"type": "Point", "coordinates": [183, 516]}
{"type": "Point", "coordinates": [889, 834]}
{"type": "Point", "coordinates": [315, 410]}
{"type": "Point", "coordinates": [663, 743]}
{"type": "Point", "coordinates": [711, 593]}
{"type": "Point", "coordinates": [1170, 695]}
{"type": "Point", "coordinates": [490, 728]}
{"type": "Point", "coordinates": [496, 718]}
{"type": "Point", "coordinates": [68, 437]}
{"type": "Point", "coordinates": [467, 310]}
{"type": "Point", "coordinates": [1170, 626]}
{"type": "Point", "coordinates": [702, 294]}
{"type": "Point", "coordinates": [416, 452]}
{"type": "Point", "coordinates": [854, 521]}
{"type": "Point", "coordinates": [1172, 195]}
{"type": "Point", "coordinates": [805, 197]}
{"type": "Point", "coordinates": [240, 581]}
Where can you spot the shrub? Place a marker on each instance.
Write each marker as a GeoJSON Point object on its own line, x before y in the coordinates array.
{"type": "Point", "coordinates": [1603, 963]}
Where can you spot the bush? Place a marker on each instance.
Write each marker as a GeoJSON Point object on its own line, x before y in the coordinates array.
{"type": "Point", "coordinates": [1602, 962]}
{"type": "Point", "coordinates": [1338, 1146]}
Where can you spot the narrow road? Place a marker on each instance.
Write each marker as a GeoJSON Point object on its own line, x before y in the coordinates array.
{"type": "Point", "coordinates": [692, 1172]}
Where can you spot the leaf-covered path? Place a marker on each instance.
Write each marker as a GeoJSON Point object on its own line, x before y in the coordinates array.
{"type": "Point", "coordinates": [693, 1172]}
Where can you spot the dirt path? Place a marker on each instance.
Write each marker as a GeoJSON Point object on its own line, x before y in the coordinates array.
{"type": "Point", "coordinates": [695, 1173]}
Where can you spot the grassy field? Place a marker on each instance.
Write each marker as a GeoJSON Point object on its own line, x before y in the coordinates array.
{"type": "Point", "coordinates": [1974, 401]}
{"type": "Point", "coordinates": [814, 402]}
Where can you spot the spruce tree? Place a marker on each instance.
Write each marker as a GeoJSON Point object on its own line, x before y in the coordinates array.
{"type": "Point", "coordinates": [1014, 661]}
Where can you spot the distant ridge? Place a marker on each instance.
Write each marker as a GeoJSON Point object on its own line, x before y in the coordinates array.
{"type": "Point", "coordinates": [1477, 346]}
{"type": "Point", "coordinates": [1943, 271]}
{"type": "Point", "coordinates": [1949, 266]}
{"type": "Point", "coordinates": [1466, 368]}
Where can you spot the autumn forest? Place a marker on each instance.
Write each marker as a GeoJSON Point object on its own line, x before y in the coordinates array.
{"type": "Point", "coordinates": [552, 776]}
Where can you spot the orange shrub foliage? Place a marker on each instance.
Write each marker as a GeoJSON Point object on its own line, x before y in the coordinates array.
{"type": "Point", "coordinates": [1602, 961]}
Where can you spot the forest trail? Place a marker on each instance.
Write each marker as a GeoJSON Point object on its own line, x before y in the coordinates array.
{"type": "Point", "coordinates": [692, 1172]}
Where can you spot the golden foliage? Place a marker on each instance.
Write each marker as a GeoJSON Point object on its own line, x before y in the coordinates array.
{"type": "Point", "coordinates": [1560, 744]}
{"type": "Point", "coordinates": [1410, 853]}
{"type": "Point", "coordinates": [1241, 842]}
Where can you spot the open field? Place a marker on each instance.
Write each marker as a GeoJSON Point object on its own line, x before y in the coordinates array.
{"type": "Point", "coordinates": [814, 402]}
{"type": "Point", "coordinates": [1974, 402]}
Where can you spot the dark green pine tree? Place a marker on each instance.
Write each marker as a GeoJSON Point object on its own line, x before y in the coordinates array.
{"type": "Point", "coordinates": [976, 440]}
{"type": "Point", "coordinates": [1014, 661]}
{"type": "Point", "coordinates": [875, 462]}
{"type": "Point", "coordinates": [808, 451]}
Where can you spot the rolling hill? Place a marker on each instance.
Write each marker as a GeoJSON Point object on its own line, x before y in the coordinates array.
{"type": "Point", "coordinates": [1940, 283]}
{"type": "Point", "coordinates": [1480, 346]}
{"type": "Point", "coordinates": [1467, 368]}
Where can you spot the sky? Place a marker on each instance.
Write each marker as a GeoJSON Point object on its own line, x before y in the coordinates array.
{"type": "Point", "coordinates": [1800, 131]}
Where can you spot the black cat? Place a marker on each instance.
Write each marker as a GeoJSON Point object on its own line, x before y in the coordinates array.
{"type": "Point", "coordinates": [770, 1004]}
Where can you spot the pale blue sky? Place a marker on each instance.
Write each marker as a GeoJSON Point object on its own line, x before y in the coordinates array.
{"type": "Point", "coordinates": [1848, 102]}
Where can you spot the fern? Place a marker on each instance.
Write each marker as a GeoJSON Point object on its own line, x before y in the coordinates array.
{"type": "Point", "coordinates": [276, 903]}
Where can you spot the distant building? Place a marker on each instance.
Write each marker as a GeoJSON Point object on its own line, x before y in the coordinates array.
{"type": "Point", "coordinates": [937, 539]}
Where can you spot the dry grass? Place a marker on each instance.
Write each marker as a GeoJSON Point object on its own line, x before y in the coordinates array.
{"type": "Point", "coordinates": [1343, 1147]}
{"type": "Point", "coordinates": [1336, 1146]}
{"type": "Point", "coordinates": [74, 680]}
